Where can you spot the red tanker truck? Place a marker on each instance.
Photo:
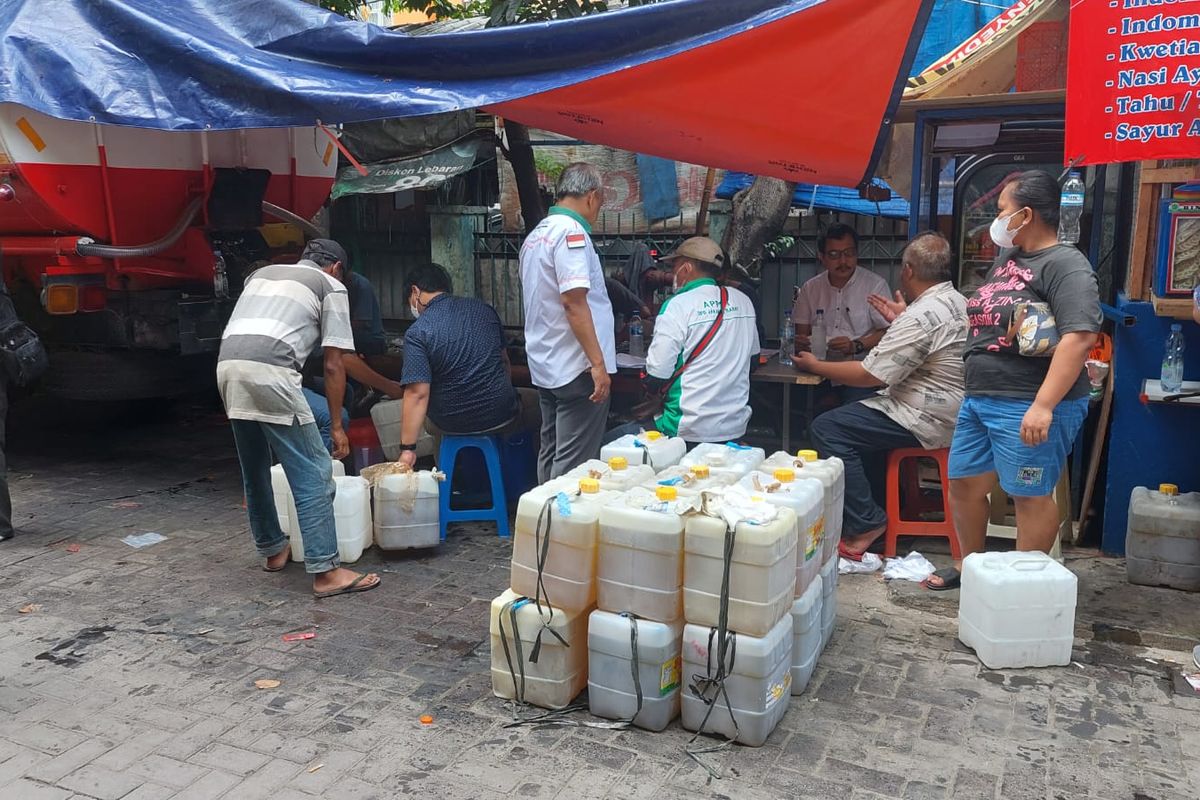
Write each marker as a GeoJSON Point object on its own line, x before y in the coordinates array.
{"type": "Point", "coordinates": [124, 247]}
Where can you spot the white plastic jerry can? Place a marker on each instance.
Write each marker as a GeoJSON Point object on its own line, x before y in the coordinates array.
{"type": "Point", "coordinates": [693, 480]}
{"type": "Point", "coordinates": [615, 652]}
{"type": "Point", "coordinates": [615, 475]}
{"type": "Point", "coordinates": [738, 460]}
{"type": "Point", "coordinates": [284, 497]}
{"type": "Point", "coordinates": [1017, 609]}
{"type": "Point", "coordinates": [828, 582]}
{"type": "Point", "coordinates": [648, 447]}
{"type": "Point", "coordinates": [570, 523]}
{"type": "Point", "coordinates": [806, 497]}
{"type": "Point", "coordinates": [1162, 541]}
{"type": "Point", "coordinates": [758, 683]}
{"type": "Point", "coordinates": [560, 671]}
{"type": "Point", "coordinates": [406, 511]}
{"type": "Point", "coordinates": [762, 575]}
{"type": "Point", "coordinates": [829, 471]}
{"type": "Point", "coordinates": [806, 636]}
{"type": "Point", "coordinates": [352, 517]}
{"type": "Point", "coordinates": [640, 560]}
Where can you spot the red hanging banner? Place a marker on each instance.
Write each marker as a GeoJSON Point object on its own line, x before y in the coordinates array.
{"type": "Point", "coordinates": [1133, 80]}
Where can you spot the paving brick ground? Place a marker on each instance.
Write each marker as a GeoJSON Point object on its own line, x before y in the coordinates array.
{"type": "Point", "coordinates": [134, 676]}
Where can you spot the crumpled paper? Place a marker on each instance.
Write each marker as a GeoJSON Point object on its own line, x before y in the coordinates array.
{"type": "Point", "coordinates": [913, 567]}
{"type": "Point", "coordinates": [870, 563]}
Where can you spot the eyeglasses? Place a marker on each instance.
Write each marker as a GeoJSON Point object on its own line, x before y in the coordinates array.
{"type": "Point", "coordinates": [847, 252]}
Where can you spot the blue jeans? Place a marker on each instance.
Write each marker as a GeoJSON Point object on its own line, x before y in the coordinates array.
{"type": "Point", "coordinates": [987, 438]}
{"type": "Point", "coordinates": [851, 432]}
{"type": "Point", "coordinates": [309, 472]}
{"type": "Point", "coordinates": [320, 410]}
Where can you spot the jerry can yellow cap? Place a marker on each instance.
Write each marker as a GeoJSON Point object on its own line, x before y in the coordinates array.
{"type": "Point", "coordinates": [589, 485]}
{"type": "Point", "coordinates": [617, 463]}
{"type": "Point", "coordinates": [700, 470]}
{"type": "Point", "coordinates": [807, 455]}
{"type": "Point", "coordinates": [1168, 489]}
{"type": "Point", "coordinates": [666, 493]}
{"type": "Point", "coordinates": [785, 475]}
{"type": "Point", "coordinates": [653, 436]}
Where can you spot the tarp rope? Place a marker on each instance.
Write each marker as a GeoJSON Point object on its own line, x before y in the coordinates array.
{"type": "Point", "coordinates": [710, 687]}
{"type": "Point", "coordinates": [559, 716]}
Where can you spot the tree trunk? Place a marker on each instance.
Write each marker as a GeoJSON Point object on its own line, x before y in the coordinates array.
{"type": "Point", "coordinates": [758, 215]}
{"type": "Point", "coordinates": [520, 155]}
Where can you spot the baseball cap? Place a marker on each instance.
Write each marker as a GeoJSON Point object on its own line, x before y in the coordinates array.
{"type": "Point", "coordinates": [328, 249]}
{"type": "Point", "coordinates": [698, 248]}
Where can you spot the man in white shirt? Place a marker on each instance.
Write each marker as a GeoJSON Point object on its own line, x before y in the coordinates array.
{"type": "Point", "coordinates": [840, 292]}
{"type": "Point", "coordinates": [920, 362]}
{"type": "Point", "coordinates": [569, 326]}
{"type": "Point", "coordinates": [709, 401]}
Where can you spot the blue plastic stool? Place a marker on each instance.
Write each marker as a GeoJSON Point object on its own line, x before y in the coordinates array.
{"type": "Point", "coordinates": [447, 457]}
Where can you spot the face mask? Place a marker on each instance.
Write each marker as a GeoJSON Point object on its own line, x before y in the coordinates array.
{"type": "Point", "coordinates": [1000, 233]}
{"type": "Point", "coordinates": [414, 311]}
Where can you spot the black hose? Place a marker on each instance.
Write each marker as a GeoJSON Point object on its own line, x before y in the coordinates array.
{"type": "Point", "coordinates": [90, 248]}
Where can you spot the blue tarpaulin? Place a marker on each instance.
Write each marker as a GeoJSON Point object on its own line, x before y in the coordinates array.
{"type": "Point", "coordinates": [660, 190]}
{"type": "Point", "coordinates": [677, 79]}
{"type": "Point", "coordinates": [831, 198]}
{"type": "Point", "coordinates": [952, 22]}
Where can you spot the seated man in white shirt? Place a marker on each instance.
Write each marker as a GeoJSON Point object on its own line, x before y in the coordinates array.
{"type": "Point", "coordinates": [920, 361]}
{"type": "Point", "coordinates": [840, 292]}
{"type": "Point", "coordinates": [709, 400]}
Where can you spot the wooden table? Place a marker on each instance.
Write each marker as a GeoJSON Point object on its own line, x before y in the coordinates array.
{"type": "Point", "coordinates": [788, 376]}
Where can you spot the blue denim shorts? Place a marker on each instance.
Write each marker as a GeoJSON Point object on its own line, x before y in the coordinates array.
{"type": "Point", "coordinates": [987, 438]}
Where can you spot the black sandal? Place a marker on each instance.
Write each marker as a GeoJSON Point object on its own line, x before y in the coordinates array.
{"type": "Point", "coordinates": [951, 579]}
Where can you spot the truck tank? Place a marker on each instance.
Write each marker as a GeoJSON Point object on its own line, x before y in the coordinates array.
{"type": "Point", "coordinates": [128, 242]}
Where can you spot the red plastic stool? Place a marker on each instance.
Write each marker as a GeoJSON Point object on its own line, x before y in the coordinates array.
{"type": "Point", "coordinates": [896, 526]}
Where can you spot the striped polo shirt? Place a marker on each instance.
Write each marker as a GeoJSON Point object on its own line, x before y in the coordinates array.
{"type": "Point", "coordinates": [284, 312]}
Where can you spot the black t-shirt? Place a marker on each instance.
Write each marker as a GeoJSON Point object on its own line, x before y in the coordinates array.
{"type": "Point", "coordinates": [1060, 276]}
{"type": "Point", "coordinates": [454, 346]}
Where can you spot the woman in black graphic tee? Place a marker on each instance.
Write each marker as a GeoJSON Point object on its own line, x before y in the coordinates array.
{"type": "Point", "coordinates": [1022, 412]}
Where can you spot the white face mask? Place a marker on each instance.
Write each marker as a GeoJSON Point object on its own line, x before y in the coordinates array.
{"type": "Point", "coordinates": [414, 311]}
{"type": "Point", "coordinates": [1000, 233]}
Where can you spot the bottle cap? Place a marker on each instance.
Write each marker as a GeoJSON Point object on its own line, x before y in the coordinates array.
{"type": "Point", "coordinates": [618, 463]}
{"type": "Point", "coordinates": [653, 436]}
{"type": "Point", "coordinates": [1169, 489]}
{"type": "Point", "coordinates": [807, 455]}
{"type": "Point", "coordinates": [700, 470]}
{"type": "Point", "coordinates": [666, 493]}
{"type": "Point", "coordinates": [785, 475]}
{"type": "Point", "coordinates": [589, 485]}
{"type": "Point", "coordinates": [1176, 326]}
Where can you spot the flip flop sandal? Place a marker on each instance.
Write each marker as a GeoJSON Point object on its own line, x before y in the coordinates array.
{"type": "Point", "coordinates": [951, 579]}
{"type": "Point", "coordinates": [352, 587]}
{"type": "Point", "coordinates": [848, 554]}
{"type": "Point", "coordinates": [281, 567]}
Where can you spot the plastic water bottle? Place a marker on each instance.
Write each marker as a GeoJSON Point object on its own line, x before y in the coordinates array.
{"type": "Point", "coordinates": [1172, 368]}
{"type": "Point", "coordinates": [787, 337]}
{"type": "Point", "coordinates": [819, 348]}
{"type": "Point", "coordinates": [1070, 209]}
{"type": "Point", "coordinates": [637, 346]}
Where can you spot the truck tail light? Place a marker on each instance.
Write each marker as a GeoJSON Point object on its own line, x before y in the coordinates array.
{"type": "Point", "coordinates": [93, 298]}
{"type": "Point", "coordinates": [62, 298]}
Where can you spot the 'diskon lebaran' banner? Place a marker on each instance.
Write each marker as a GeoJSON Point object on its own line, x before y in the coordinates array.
{"type": "Point", "coordinates": [1133, 81]}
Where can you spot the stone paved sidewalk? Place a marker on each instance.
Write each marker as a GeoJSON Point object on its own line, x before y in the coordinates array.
{"type": "Point", "coordinates": [133, 677]}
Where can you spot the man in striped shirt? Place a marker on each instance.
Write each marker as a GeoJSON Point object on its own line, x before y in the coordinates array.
{"type": "Point", "coordinates": [284, 312]}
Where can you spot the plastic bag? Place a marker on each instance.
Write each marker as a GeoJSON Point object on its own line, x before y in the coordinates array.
{"type": "Point", "coordinates": [913, 567]}
{"type": "Point", "coordinates": [870, 563]}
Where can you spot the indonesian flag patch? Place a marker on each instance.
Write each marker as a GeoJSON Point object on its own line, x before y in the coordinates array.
{"type": "Point", "coordinates": [576, 240]}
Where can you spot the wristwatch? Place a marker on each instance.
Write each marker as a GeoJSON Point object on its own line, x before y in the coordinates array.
{"type": "Point", "coordinates": [405, 447]}
{"type": "Point", "coordinates": [859, 347]}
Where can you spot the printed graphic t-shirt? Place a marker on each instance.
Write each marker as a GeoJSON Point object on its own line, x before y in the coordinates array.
{"type": "Point", "coordinates": [1059, 275]}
